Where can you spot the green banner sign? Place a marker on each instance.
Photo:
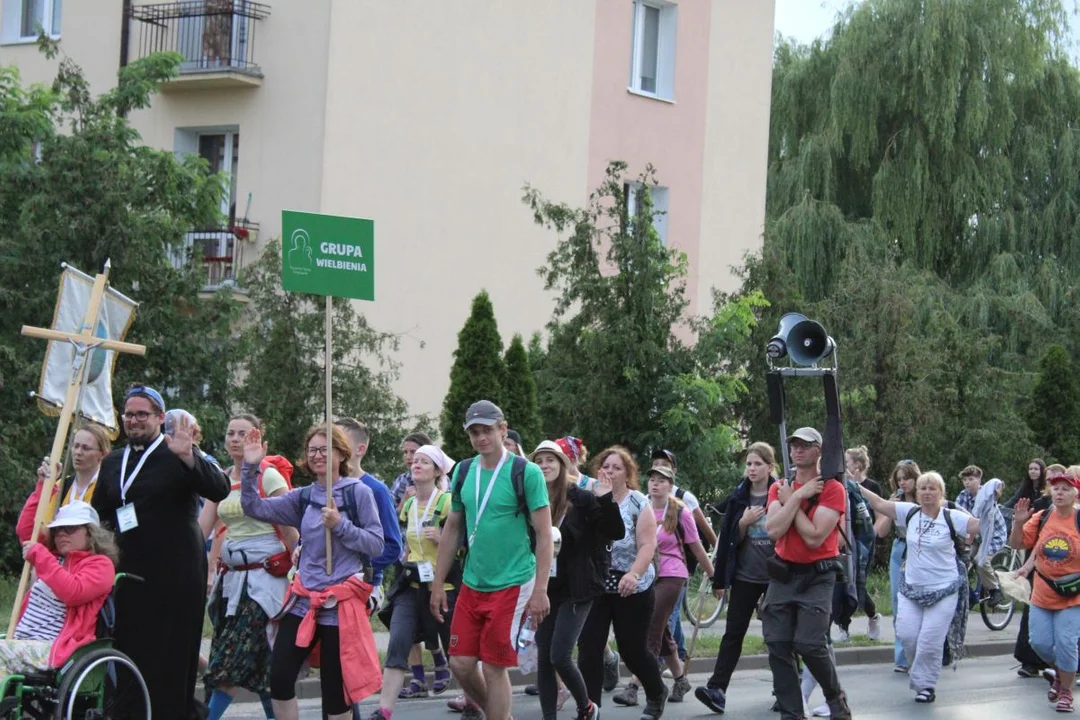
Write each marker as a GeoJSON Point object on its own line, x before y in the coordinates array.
{"type": "Point", "coordinates": [328, 255]}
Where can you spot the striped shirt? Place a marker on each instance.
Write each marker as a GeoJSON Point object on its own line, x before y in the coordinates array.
{"type": "Point", "coordinates": [44, 616]}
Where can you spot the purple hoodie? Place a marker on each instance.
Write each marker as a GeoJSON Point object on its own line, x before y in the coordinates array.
{"type": "Point", "coordinates": [352, 546]}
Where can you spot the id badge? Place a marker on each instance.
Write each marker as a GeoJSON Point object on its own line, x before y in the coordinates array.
{"type": "Point", "coordinates": [126, 519]}
{"type": "Point", "coordinates": [426, 571]}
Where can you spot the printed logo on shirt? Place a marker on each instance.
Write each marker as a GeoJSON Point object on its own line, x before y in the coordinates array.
{"type": "Point", "coordinates": [453, 641]}
{"type": "Point", "coordinates": [1057, 550]}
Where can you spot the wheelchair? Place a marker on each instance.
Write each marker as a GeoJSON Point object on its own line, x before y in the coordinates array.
{"type": "Point", "coordinates": [85, 686]}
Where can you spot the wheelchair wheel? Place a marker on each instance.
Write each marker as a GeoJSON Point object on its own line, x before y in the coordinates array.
{"type": "Point", "coordinates": [100, 685]}
{"type": "Point", "coordinates": [711, 608]}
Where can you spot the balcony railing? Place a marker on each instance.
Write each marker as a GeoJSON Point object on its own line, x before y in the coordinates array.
{"type": "Point", "coordinates": [215, 37]}
{"type": "Point", "coordinates": [220, 252]}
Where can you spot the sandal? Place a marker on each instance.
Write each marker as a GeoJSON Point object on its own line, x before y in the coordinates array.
{"type": "Point", "coordinates": [925, 696]}
{"type": "Point", "coordinates": [442, 679]}
{"type": "Point", "coordinates": [415, 689]}
{"type": "Point", "coordinates": [1065, 701]}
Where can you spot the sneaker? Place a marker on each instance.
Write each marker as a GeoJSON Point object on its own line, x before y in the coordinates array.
{"type": "Point", "coordinates": [378, 714]}
{"type": "Point", "coordinates": [628, 696]}
{"type": "Point", "coordinates": [590, 713]}
{"type": "Point", "coordinates": [1028, 671]}
{"type": "Point", "coordinates": [611, 672]}
{"type": "Point", "coordinates": [901, 669]}
{"type": "Point", "coordinates": [667, 673]}
{"type": "Point", "coordinates": [926, 696]}
{"type": "Point", "coordinates": [458, 704]}
{"type": "Point", "coordinates": [532, 690]}
{"type": "Point", "coordinates": [996, 598]}
{"type": "Point", "coordinates": [839, 709]}
{"type": "Point", "coordinates": [679, 689]}
{"type": "Point", "coordinates": [712, 698]}
{"type": "Point", "coordinates": [875, 627]}
{"type": "Point", "coordinates": [472, 711]}
{"type": "Point", "coordinates": [415, 689]}
{"type": "Point", "coordinates": [821, 711]}
{"type": "Point", "coordinates": [654, 708]}
{"type": "Point", "coordinates": [842, 636]}
{"type": "Point", "coordinates": [1065, 701]}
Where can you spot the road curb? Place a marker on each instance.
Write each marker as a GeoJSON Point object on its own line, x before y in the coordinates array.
{"type": "Point", "coordinates": [877, 654]}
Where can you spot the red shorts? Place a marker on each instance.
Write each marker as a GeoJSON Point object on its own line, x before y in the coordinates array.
{"type": "Point", "coordinates": [485, 624]}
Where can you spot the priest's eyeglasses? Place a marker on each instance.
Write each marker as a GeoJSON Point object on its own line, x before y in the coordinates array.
{"type": "Point", "coordinates": [138, 415]}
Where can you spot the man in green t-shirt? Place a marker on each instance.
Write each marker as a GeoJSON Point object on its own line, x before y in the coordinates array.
{"type": "Point", "coordinates": [504, 580]}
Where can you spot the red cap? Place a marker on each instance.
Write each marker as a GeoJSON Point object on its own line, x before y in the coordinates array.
{"type": "Point", "coordinates": [1066, 478]}
{"type": "Point", "coordinates": [571, 447]}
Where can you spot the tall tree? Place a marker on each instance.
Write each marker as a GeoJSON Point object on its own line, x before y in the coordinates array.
{"type": "Point", "coordinates": [615, 369]}
{"type": "Point", "coordinates": [1054, 414]}
{"type": "Point", "coordinates": [922, 176]}
{"type": "Point", "coordinates": [77, 186]}
{"type": "Point", "coordinates": [520, 393]}
{"type": "Point", "coordinates": [286, 339]}
{"type": "Point", "coordinates": [478, 373]}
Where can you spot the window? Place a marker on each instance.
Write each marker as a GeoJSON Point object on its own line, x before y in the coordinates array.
{"type": "Point", "coordinates": [23, 17]}
{"type": "Point", "coordinates": [652, 61]}
{"type": "Point", "coordinates": [659, 197]}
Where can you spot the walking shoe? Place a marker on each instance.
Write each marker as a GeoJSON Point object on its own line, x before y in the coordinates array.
{"type": "Point", "coordinates": [712, 698]}
{"type": "Point", "coordinates": [611, 672]}
{"type": "Point", "coordinates": [901, 669]}
{"type": "Point", "coordinates": [821, 711]}
{"type": "Point", "coordinates": [628, 696]}
{"type": "Point", "coordinates": [842, 636]}
{"type": "Point", "coordinates": [875, 627]}
{"type": "Point", "coordinates": [472, 712]}
{"type": "Point", "coordinates": [532, 690]}
{"type": "Point", "coordinates": [654, 707]}
{"type": "Point", "coordinates": [1028, 671]}
{"type": "Point", "coordinates": [590, 713]}
{"type": "Point", "coordinates": [457, 704]}
{"type": "Point", "coordinates": [667, 673]}
{"type": "Point", "coordinates": [926, 696]}
{"type": "Point", "coordinates": [839, 709]}
{"type": "Point", "coordinates": [679, 689]}
{"type": "Point", "coordinates": [415, 689]}
{"type": "Point", "coordinates": [1065, 701]}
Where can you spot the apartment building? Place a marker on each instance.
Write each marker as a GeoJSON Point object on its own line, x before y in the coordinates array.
{"type": "Point", "coordinates": [429, 116]}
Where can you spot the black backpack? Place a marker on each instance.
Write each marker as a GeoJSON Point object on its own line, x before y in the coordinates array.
{"type": "Point", "coordinates": [517, 478]}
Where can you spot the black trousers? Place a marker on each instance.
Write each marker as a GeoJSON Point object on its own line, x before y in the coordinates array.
{"type": "Point", "coordinates": [630, 618]}
{"type": "Point", "coordinates": [795, 622]}
{"type": "Point", "coordinates": [555, 641]}
{"type": "Point", "coordinates": [287, 659]}
{"type": "Point", "coordinates": [743, 598]}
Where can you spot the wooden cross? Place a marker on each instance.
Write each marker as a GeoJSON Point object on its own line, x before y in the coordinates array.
{"type": "Point", "coordinates": [84, 342]}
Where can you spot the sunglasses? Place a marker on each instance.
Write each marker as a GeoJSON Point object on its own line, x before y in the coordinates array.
{"type": "Point", "coordinates": [67, 529]}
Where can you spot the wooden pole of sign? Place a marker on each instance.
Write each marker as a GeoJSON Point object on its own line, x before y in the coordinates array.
{"type": "Point", "coordinates": [84, 342]}
{"type": "Point", "coordinates": [330, 469]}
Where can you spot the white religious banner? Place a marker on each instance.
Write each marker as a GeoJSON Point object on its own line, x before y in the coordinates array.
{"type": "Point", "coordinates": [117, 314]}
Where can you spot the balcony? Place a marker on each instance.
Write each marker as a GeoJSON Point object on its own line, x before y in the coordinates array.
{"type": "Point", "coordinates": [215, 37]}
{"type": "Point", "coordinates": [221, 254]}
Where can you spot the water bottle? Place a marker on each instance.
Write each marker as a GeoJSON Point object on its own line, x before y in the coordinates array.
{"type": "Point", "coordinates": [528, 659]}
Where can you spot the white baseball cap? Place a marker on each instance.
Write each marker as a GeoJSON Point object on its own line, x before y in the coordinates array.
{"type": "Point", "coordinates": [75, 513]}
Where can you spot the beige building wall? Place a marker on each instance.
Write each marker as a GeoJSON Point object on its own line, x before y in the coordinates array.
{"type": "Point", "coordinates": [437, 115]}
{"type": "Point", "coordinates": [736, 141]}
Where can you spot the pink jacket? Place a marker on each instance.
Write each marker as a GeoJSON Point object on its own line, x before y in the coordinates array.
{"type": "Point", "coordinates": [24, 528]}
{"type": "Point", "coordinates": [83, 583]}
{"type": "Point", "coordinates": [360, 670]}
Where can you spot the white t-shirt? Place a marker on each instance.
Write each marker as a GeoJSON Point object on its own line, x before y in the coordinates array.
{"type": "Point", "coordinates": [688, 499]}
{"type": "Point", "coordinates": [931, 555]}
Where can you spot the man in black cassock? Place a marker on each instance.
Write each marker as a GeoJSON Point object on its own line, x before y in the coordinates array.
{"type": "Point", "coordinates": [148, 493]}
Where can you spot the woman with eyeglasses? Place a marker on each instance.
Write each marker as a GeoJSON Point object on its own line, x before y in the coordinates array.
{"type": "Point", "coordinates": [322, 607]}
{"type": "Point", "coordinates": [88, 448]}
{"type": "Point", "coordinates": [933, 588]}
{"type": "Point", "coordinates": [902, 482]}
{"type": "Point", "coordinates": [250, 580]}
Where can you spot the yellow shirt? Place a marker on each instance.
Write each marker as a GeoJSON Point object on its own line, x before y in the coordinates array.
{"type": "Point", "coordinates": [239, 525]}
{"type": "Point", "coordinates": [418, 548]}
{"type": "Point", "coordinates": [86, 497]}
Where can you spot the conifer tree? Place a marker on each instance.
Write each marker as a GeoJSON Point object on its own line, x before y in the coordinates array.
{"type": "Point", "coordinates": [520, 393]}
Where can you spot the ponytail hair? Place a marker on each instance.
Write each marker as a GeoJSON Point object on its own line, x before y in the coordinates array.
{"type": "Point", "coordinates": [672, 514]}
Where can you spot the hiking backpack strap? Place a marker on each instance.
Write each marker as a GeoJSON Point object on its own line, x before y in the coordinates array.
{"type": "Point", "coordinates": [517, 477]}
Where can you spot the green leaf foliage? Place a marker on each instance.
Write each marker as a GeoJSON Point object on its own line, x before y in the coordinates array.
{"type": "Point", "coordinates": [478, 373]}
{"type": "Point", "coordinates": [1054, 414]}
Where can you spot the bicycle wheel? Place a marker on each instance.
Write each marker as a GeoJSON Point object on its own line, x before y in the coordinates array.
{"type": "Point", "coordinates": [711, 608]}
{"type": "Point", "coordinates": [998, 616]}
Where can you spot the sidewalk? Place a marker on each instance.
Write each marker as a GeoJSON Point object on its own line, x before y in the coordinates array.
{"type": "Point", "coordinates": [980, 642]}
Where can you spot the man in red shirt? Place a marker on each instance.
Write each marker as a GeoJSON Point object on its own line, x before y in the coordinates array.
{"type": "Point", "coordinates": [803, 517]}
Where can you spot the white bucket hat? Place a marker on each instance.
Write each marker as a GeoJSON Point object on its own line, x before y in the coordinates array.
{"type": "Point", "coordinates": [75, 513]}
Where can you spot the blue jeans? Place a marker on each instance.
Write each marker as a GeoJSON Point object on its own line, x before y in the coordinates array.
{"type": "Point", "coordinates": [896, 558]}
{"type": "Point", "coordinates": [675, 625]}
{"type": "Point", "coordinates": [1053, 635]}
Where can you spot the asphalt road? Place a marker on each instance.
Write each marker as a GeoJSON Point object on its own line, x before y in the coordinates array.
{"type": "Point", "coordinates": [982, 688]}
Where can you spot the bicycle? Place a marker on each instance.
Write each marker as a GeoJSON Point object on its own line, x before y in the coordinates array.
{"type": "Point", "coordinates": [711, 608]}
{"type": "Point", "coordinates": [996, 616]}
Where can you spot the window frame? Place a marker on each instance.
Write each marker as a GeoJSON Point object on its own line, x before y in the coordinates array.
{"type": "Point", "coordinates": [666, 44]}
{"type": "Point", "coordinates": [661, 210]}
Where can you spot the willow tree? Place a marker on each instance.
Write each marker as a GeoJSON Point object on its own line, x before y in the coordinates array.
{"type": "Point", "coordinates": [924, 201]}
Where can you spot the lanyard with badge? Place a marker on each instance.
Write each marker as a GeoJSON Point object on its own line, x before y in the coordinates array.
{"type": "Point", "coordinates": [425, 569]}
{"type": "Point", "coordinates": [481, 506]}
{"type": "Point", "coordinates": [125, 514]}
